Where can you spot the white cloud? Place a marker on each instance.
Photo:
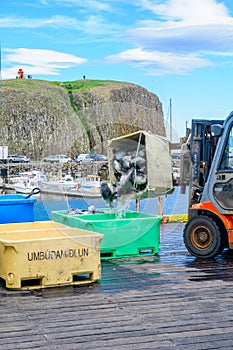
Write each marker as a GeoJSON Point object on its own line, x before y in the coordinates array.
{"type": "Point", "coordinates": [190, 11]}
{"type": "Point", "coordinates": [37, 61]}
{"type": "Point", "coordinates": [159, 62]}
{"type": "Point", "coordinates": [183, 39]}
{"type": "Point", "coordinates": [94, 24]}
{"type": "Point", "coordinates": [54, 21]}
{"type": "Point", "coordinates": [87, 4]}
{"type": "Point", "coordinates": [179, 36]}
{"type": "Point", "coordinates": [97, 25]}
{"type": "Point", "coordinates": [185, 26]}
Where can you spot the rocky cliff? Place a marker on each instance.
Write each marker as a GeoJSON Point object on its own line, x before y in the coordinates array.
{"type": "Point", "coordinates": [40, 118]}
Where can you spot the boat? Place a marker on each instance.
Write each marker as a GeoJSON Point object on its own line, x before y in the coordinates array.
{"type": "Point", "coordinates": [90, 182]}
{"type": "Point", "coordinates": [25, 183]}
{"type": "Point", "coordinates": [23, 188]}
{"type": "Point", "coordinates": [88, 186]}
{"type": "Point", "coordinates": [65, 183]}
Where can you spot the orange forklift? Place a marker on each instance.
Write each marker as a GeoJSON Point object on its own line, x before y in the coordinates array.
{"type": "Point", "coordinates": [208, 158]}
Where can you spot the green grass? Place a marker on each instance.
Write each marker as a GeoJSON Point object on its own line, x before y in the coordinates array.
{"type": "Point", "coordinates": [83, 85]}
{"type": "Point", "coordinates": [18, 83]}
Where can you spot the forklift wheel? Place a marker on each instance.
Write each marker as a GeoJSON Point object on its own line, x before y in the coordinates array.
{"type": "Point", "coordinates": [203, 238]}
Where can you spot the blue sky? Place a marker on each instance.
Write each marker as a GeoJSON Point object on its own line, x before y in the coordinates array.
{"type": "Point", "coordinates": [178, 49]}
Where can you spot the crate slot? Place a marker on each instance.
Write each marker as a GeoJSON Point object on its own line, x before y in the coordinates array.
{"type": "Point", "coordinates": [35, 282]}
{"type": "Point", "coordinates": [82, 277]}
{"type": "Point", "coordinates": [145, 251]}
{"type": "Point", "coordinates": [107, 255]}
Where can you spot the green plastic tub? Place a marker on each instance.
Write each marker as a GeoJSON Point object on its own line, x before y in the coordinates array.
{"type": "Point", "coordinates": [130, 234]}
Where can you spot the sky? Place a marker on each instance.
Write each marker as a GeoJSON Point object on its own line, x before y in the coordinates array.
{"type": "Point", "coordinates": [181, 50]}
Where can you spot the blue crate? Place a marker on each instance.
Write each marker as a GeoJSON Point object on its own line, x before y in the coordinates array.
{"type": "Point", "coordinates": [16, 208]}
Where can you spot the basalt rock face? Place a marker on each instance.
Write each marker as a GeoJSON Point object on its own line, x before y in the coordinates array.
{"type": "Point", "coordinates": [37, 119]}
{"type": "Point", "coordinates": [118, 109]}
{"type": "Point", "coordinates": [40, 118]}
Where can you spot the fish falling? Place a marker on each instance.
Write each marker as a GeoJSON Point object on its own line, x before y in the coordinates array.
{"type": "Point", "coordinates": [129, 169]}
{"type": "Point", "coordinates": [108, 193]}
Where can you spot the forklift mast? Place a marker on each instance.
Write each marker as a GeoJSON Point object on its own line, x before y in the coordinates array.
{"type": "Point", "coordinates": [196, 158]}
{"type": "Point", "coordinates": [202, 150]}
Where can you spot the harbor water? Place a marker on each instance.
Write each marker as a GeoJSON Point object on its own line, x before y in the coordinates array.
{"type": "Point", "coordinates": [174, 203]}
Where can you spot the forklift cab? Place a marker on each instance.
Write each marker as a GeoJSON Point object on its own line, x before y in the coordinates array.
{"type": "Point", "coordinates": [219, 188]}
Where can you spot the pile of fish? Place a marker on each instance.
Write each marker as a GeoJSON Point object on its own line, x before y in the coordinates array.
{"type": "Point", "coordinates": [91, 210]}
{"type": "Point", "coordinates": [129, 169]}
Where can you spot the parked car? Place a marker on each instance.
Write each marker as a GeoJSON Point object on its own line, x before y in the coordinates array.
{"type": "Point", "coordinates": [87, 159]}
{"type": "Point", "coordinates": [101, 158]}
{"type": "Point", "coordinates": [79, 157]}
{"type": "Point", "coordinates": [60, 158]}
{"type": "Point", "coordinates": [13, 158]}
{"type": "Point", "coordinates": [98, 157]}
{"type": "Point", "coordinates": [51, 159]}
{"type": "Point", "coordinates": [93, 155]}
{"type": "Point", "coordinates": [83, 158]}
{"type": "Point", "coordinates": [63, 158]}
{"type": "Point", "coordinates": [23, 159]}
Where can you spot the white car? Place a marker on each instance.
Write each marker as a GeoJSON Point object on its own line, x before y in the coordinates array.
{"type": "Point", "coordinates": [51, 159]}
{"type": "Point", "coordinates": [13, 158]}
{"type": "Point", "coordinates": [60, 158]}
{"type": "Point", "coordinates": [23, 159]}
{"type": "Point", "coordinates": [82, 157]}
{"type": "Point", "coordinates": [63, 158]}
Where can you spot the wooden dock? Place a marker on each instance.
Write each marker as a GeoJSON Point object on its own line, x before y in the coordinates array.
{"type": "Point", "coordinates": [168, 302]}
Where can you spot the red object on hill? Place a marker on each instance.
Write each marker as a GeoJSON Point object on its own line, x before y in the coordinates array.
{"type": "Point", "coordinates": [20, 74]}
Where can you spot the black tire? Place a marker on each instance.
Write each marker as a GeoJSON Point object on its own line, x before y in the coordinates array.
{"type": "Point", "coordinates": [203, 238]}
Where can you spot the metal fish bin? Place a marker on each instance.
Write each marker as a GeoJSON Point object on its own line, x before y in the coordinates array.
{"type": "Point", "coordinates": [16, 208]}
{"type": "Point", "coordinates": [128, 234]}
{"type": "Point", "coordinates": [48, 254]}
{"type": "Point", "coordinates": [149, 155]}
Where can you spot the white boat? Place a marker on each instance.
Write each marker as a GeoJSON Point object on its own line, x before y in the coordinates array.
{"type": "Point", "coordinates": [90, 182]}
{"type": "Point", "coordinates": [25, 188]}
{"type": "Point", "coordinates": [88, 186]}
{"type": "Point", "coordinates": [64, 183]}
{"type": "Point", "coordinates": [25, 183]}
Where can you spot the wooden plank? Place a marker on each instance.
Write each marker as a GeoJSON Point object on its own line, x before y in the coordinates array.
{"type": "Point", "coordinates": [171, 301]}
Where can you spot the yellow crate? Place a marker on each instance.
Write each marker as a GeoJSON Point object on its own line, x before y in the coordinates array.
{"type": "Point", "coordinates": [47, 254]}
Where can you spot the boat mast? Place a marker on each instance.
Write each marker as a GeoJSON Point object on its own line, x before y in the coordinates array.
{"type": "Point", "coordinates": [170, 109]}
